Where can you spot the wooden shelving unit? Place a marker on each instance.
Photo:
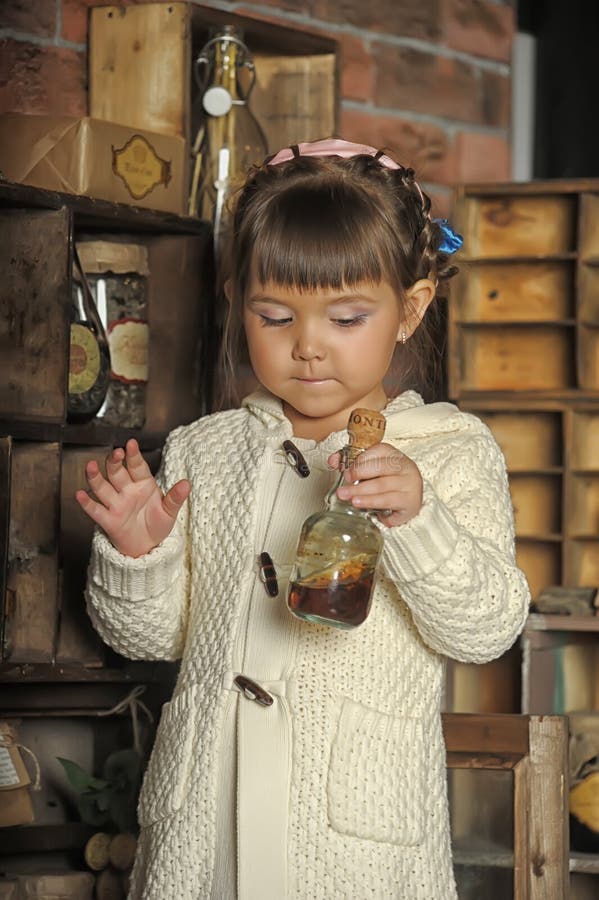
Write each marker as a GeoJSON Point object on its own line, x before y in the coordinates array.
{"type": "Point", "coordinates": [524, 357]}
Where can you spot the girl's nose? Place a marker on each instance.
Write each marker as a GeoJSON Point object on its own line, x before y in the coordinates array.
{"type": "Point", "coordinates": [307, 346]}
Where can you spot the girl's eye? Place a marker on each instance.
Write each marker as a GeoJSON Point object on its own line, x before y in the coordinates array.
{"type": "Point", "coordinates": [270, 322]}
{"type": "Point", "coordinates": [350, 322]}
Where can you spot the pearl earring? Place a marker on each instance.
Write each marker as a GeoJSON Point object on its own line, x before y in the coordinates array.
{"type": "Point", "coordinates": [404, 337]}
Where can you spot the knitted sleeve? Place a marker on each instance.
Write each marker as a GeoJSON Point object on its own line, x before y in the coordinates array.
{"type": "Point", "coordinates": [139, 606]}
{"type": "Point", "coordinates": [454, 563]}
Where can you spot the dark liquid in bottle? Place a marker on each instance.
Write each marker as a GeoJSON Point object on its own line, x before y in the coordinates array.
{"type": "Point", "coordinates": [341, 603]}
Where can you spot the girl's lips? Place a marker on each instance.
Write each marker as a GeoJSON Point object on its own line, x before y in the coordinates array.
{"type": "Point", "coordinates": [313, 380]}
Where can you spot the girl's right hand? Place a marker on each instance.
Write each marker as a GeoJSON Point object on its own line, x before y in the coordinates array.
{"type": "Point", "coordinates": [130, 507]}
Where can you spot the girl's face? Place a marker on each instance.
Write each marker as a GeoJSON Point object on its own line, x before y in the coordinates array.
{"type": "Point", "coordinates": [326, 352]}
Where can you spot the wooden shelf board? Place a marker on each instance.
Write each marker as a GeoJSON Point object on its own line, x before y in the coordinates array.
{"type": "Point", "coordinates": [524, 402]}
{"type": "Point", "coordinates": [539, 188]}
{"type": "Point", "coordinates": [552, 538]}
{"type": "Point", "coordinates": [46, 838]}
{"type": "Point", "coordinates": [528, 258]}
{"type": "Point", "coordinates": [554, 622]}
{"type": "Point", "coordinates": [584, 862]}
{"type": "Point", "coordinates": [548, 470]}
{"type": "Point", "coordinates": [91, 434]}
{"type": "Point", "coordinates": [473, 851]}
{"type": "Point", "coordinates": [90, 213]}
{"type": "Point", "coordinates": [516, 323]}
{"type": "Point", "coordinates": [134, 673]}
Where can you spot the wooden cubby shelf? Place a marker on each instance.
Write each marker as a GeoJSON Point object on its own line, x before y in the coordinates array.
{"type": "Point", "coordinates": [524, 356]}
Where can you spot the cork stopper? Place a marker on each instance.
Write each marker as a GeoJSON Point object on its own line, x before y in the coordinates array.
{"type": "Point", "coordinates": [366, 427]}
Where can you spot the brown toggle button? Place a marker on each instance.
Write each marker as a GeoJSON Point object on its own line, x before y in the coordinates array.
{"type": "Point", "coordinates": [253, 691]}
{"type": "Point", "coordinates": [268, 574]}
{"type": "Point", "coordinates": [296, 459]}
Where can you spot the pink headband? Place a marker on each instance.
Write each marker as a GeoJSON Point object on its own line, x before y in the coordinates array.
{"type": "Point", "coordinates": [336, 147]}
{"type": "Point", "coordinates": [331, 147]}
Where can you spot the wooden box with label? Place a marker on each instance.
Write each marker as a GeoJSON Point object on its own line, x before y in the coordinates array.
{"type": "Point", "coordinates": [95, 158]}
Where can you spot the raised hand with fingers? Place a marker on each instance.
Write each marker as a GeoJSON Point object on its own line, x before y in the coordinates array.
{"type": "Point", "coordinates": [129, 506]}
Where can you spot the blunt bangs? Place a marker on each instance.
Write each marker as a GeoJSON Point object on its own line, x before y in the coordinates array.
{"type": "Point", "coordinates": [323, 237]}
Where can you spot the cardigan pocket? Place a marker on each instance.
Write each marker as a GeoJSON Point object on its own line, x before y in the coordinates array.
{"type": "Point", "coordinates": [166, 780]}
{"type": "Point", "coordinates": [376, 779]}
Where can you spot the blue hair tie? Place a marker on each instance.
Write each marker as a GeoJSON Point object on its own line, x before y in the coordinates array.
{"type": "Point", "coordinates": [452, 241]}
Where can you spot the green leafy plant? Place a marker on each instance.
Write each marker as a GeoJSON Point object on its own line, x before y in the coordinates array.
{"type": "Point", "coordinates": [111, 799]}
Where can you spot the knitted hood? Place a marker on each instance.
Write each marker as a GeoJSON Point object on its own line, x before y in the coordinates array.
{"type": "Point", "coordinates": [407, 416]}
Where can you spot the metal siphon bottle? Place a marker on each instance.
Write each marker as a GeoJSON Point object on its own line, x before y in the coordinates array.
{"type": "Point", "coordinates": [333, 577]}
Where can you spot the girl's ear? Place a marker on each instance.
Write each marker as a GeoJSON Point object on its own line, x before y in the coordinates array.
{"type": "Point", "coordinates": [418, 299]}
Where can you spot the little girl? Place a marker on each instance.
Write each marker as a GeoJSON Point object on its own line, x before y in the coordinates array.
{"type": "Point", "coordinates": [297, 760]}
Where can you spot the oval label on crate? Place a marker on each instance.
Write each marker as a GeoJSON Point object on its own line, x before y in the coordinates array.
{"type": "Point", "coordinates": [128, 341]}
{"type": "Point", "coordinates": [140, 167]}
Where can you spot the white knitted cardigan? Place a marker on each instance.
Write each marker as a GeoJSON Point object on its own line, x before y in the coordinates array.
{"type": "Point", "coordinates": [367, 814]}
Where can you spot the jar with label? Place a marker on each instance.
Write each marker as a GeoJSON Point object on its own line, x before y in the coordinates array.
{"type": "Point", "coordinates": [118, 274]}
{"type": "Point", "coordinates": [332, 580]}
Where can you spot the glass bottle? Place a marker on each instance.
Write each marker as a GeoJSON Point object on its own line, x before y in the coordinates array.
{"type": "Point", "coordinates": [332, 580]}
{"type": "Point", "coordinates": [229, 138]}
{"type": "Point", "coordinates": [117, 273]}
{"type": "Point", "coordinates": [89, 357]}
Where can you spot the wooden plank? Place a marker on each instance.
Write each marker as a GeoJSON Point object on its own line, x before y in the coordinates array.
{"type": "Point", "coordinates": [140, 66]}
{"type": "Point", "coordinates": [295, 97]}
{"type": "Point", "coordinates": [588, 357]}
{"type": "Point", "coordinates": [548, 807]}
{"type": "Point", "coordinates": [130, 673]}
{"type": "Point", "coordinates": [34, 296]}
{"type": "Point", "coordinates": [521, 830]}
{"type": "Point", "coordinates": [77, 639]}
{"type": "Point", "coordinates": [479, 733]}
{"type": "Point", "coordinates": [33, 553]}
{"type": "Point", "coordinates": [584, 452]}
{"type": "Point", "coordinates": [588, 293]}
{"type": "Point", "coordinates": [5, 463]}
{"type": "Point", "coordinates": [539, 622]}
{"type": "Point", "coordinates": [482, 760]}
{"type": "Point", "coordinates": [589, 224]}
{"type": "Point", "coordinates": [180, 298]}
{"type": "Point", "coordinates": [584, 562]}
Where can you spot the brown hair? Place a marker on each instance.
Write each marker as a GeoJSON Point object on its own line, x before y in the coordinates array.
{"type": "Point", "coordinates": [325, 223]}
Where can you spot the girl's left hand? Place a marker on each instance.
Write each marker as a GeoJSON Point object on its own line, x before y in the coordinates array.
{"type": "Point", "coordinates": [388, 480]}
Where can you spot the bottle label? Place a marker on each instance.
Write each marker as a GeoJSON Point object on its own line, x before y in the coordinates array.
{"type": "Point", "coordinates": [84, 360]}
{"type": "Point", "coordinates": [128, 341]}
{"type": "Point", "coordinates": [140, 167]}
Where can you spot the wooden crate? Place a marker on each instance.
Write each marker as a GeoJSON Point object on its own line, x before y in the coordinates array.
{"type": "Point", "coordinates": [140, 70]}
{"type": "Point", "coordinates": [529, 440]}
{"type": "Point", "coordinates": [34, 297]}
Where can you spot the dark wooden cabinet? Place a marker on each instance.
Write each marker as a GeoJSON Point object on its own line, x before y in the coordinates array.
{"type": "Point", "coordinates": [57, 678]}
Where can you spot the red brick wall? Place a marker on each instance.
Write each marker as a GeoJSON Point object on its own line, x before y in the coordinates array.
{"type": "Point", "coordinates": [428, 79]}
